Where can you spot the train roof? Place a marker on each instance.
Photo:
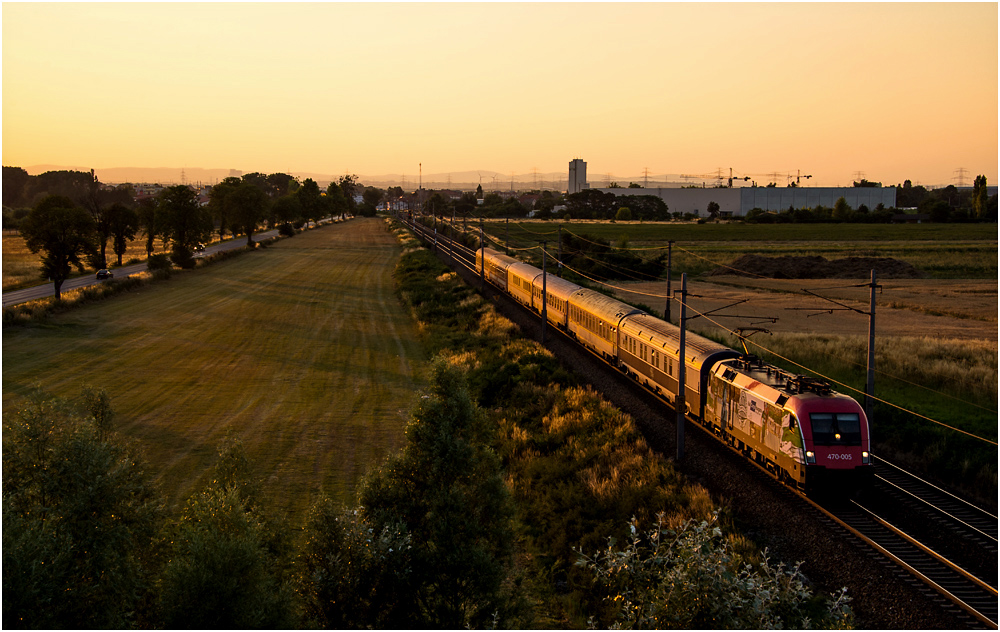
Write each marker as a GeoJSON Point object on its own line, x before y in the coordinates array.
{"type": "Point", "coordinates": [775, 385]}
{"type": "Point", "coordinates": [557, 286]}
{"type": "Point", "coordinates": [604, 306]}
{"type": "Point", "coordinates": [667, 336]}
{"type": "Point", "coordinates": [524, 270]}
{"type": "Point", "coordinates": [497, 256]}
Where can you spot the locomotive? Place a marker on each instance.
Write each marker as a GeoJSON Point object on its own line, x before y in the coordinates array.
{"type": "Point", "coordinates": [796, 427]}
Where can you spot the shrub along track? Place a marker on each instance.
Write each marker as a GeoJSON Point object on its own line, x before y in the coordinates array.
{"type": "Point", "coordinates": [771, 515]}
{"type": "Point", "coordinates": [301, 350]}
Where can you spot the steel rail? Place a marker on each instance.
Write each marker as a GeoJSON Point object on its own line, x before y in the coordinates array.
{"type": "Point", "coordinates": [930, 484]}
{"type": "Point", "coordinates": [936, 508]}
{"type": "Point", "coordinates": [926, 549]}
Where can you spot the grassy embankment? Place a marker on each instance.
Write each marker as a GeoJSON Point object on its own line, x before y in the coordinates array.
{"type": "Point", "coordinates": [301, 350]}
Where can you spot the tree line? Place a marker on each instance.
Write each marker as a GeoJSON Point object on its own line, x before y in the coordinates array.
{"type": "Point", "coordinates": [74, 217]}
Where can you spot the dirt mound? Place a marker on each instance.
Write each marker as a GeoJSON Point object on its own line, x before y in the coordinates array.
{"type": "Point", "coordinates": [818, 268]}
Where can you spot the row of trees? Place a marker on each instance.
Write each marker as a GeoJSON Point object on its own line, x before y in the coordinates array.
{"type": "Point", "coordinates": [78, 217]}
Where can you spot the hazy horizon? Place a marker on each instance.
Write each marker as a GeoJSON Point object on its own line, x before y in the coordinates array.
{"type": "Point", "coordinates": [887, 92]}
{"type": "Point", "coordinates": [466, 179]}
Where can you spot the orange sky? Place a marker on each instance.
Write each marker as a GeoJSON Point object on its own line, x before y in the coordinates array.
{"type": "Point", "coordinates": [895, 91]}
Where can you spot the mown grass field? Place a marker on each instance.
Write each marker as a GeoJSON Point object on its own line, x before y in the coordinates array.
{"type": "Point", "coordinates": [301, 349]}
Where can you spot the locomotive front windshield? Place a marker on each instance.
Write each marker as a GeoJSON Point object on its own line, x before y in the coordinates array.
{"type": "Point", "coordinates": [836, 428]}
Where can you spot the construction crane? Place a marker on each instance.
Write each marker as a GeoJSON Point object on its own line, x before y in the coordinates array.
{"type": "Point", "coordinates": [798, 177]}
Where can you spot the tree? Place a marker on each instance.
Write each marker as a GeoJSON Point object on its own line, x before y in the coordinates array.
{"type": "Point", "coordinates": [98, 200]}
{"type": "Point", "coordinates": [247, 206]}
{"type": "Point", "coordinates": [349, 186]}
{"type": "Point", "coordinates": [72, 184]}
{"type": "Point", "coordinates": [438, 204]}
{"type": "Point", "coordinates": [185, 223]}
{"type": "Point", "coordinates": [79, 515]}
{"type": "Point", "coordinates": [227, 565]}
{"type": "Point", "coordinates": [64, 232]}
{"type": "Point", "coordinates": [123, 223]}
{"type": "Point", "coordinates": [624, 214]}
{"type": "Point", "coordinates": [479, 191]}
{"type": "Point", "coordinates": [841, 210]}
{"type": "Point", "coordinates": [370, 201]}
{"type": "Point", "coordinates": [980, 197]}
{"type": "Point", "coordinates": [713, 209]}
{"type": "Point", "coordinates": [492, 199]}
{"type": "Point", "coordinates": [353, 577]}
{"type": "Point", "coordinates": [287, 209]}
{"type": "Point", "coordinates": [149, 222]}
{"type": "Point", "coordinates": [335, 200]}
{"type": "Point", "coordinates": [279, 184]}
{"type": "Point", "coordinates": [15, 187]}
{"type": "Point", "coordinates": [217, 202]}
{"type": "Point", "coordinates": [466, 205]}
{"type": "Point", "coordinates": [446, 490]}
{"type": "Point", "coordinates": [311, 201]}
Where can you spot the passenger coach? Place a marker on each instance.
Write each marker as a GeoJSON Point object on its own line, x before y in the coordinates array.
{"type": "Point", "coordinates": [650, 352]}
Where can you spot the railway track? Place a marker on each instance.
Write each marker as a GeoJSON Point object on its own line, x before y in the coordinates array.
{"type": "Point", "coordinates": [970, 522]}
{"type": "Point", "coordinates": [947, 543]}
{"type": "Point", "coordinates": [970, 592]}
{"type": "Point", "coordinates": [973, 595]}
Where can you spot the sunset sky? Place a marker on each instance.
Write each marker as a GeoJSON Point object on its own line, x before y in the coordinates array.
{"type": "Point", "coordinates": [894, 90]}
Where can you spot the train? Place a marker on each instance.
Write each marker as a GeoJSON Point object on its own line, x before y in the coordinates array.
{"type": "Point", "coordinates": [798, 428]}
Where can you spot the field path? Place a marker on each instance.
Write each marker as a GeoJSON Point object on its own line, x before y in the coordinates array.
{"type": "Point", "coordinates": [302, 350]}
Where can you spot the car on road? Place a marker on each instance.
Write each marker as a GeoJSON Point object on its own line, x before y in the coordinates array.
{"type": "Point", "coordinates": [199, 248]}
{"type": "Point", "coordinates": [104, 274]}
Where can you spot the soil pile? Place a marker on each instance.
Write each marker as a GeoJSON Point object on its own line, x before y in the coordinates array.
{"type": "Point", "coordinates": [818, 268]}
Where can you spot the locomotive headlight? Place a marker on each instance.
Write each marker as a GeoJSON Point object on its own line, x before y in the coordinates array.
{"type": "Point", "coordinates": [837, 436]}
{"type": "Point", "coordinates": [865, 458]}
{"type": "Point", "coordinates": [810, 456]}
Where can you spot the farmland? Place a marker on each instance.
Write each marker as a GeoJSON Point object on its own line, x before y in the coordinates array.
{"type": "Point", "coordinates": [302, 350]}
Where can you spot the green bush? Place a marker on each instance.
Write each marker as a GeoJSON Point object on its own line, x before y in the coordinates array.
{"type": "Point", "coordinates": [158, 262]}
{"type": "Point", "coordinates": [690, 578]}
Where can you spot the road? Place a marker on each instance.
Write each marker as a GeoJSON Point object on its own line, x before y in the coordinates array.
{"type": "Point", "coordinates": [48, 289]}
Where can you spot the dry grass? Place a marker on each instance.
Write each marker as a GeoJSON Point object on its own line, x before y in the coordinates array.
{"type": "Point", "coordinates": [951, 366]}
{"type": "Point", "coordinates": [301, 349]}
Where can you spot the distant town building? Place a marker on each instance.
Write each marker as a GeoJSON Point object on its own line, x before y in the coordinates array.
{"type": "Point", "coordinates": [577, 176]}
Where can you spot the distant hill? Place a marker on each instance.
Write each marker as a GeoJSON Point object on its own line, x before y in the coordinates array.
{"type": "Point", "coordinates": [462, 180]}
